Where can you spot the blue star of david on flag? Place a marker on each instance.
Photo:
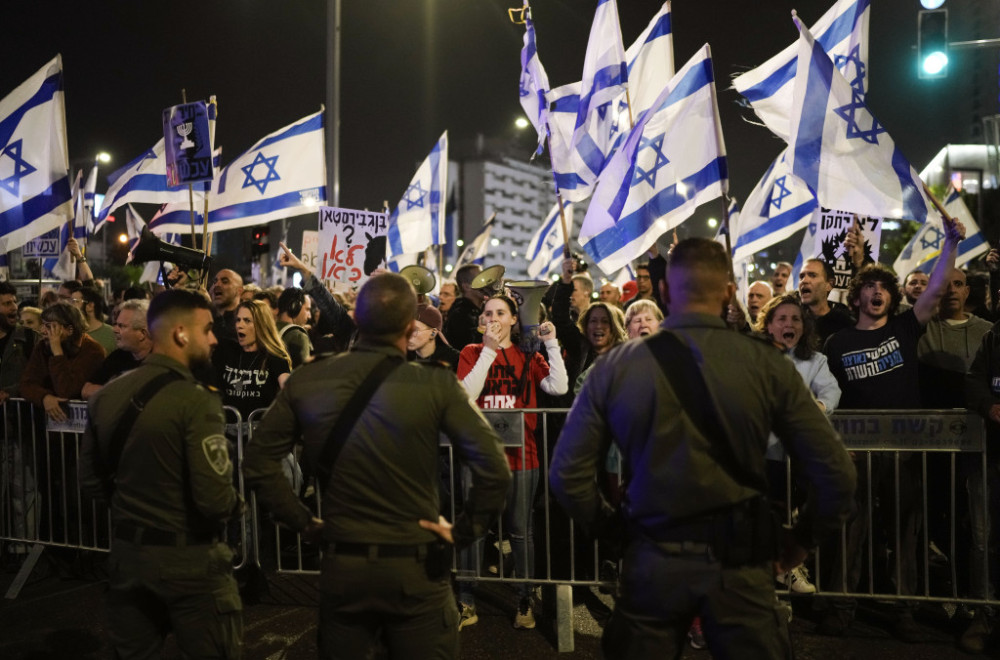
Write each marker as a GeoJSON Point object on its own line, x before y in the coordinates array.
{"type": "Point", "coordinates": [22, 168]}
{"type": "Point", "coordinates": [260, 184]}
{"type": "Point", "coordinates": [415, 189]}
{"type": "Point", "coordinates": [843, 62]}
{"type": "Point", "coordinates": [779, 192]}
{"type": "Point", "coordinates": [931, 240]}
{"type": "Point", "coordinates": [849, 114]}
{"type": "Point", "coordinates": [649, 176]}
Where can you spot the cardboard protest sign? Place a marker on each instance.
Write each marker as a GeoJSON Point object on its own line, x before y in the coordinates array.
{"type": "Point", "coordinates": [352, 244]}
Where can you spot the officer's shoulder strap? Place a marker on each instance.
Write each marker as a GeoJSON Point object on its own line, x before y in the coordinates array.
{"type": "Point", "coordinates": [350, 413]}
{"type": "Point", "coordinates": [688, 382]}
{"type": "Point", "coordinates": [137, 404]}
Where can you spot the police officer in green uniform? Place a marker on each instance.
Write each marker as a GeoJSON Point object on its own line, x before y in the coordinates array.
{"type": "Point", "coordinates": [155, 447]}
{"type": "Point", "coordinates": [385, 570]}
{"type": "Point", "coordinates": [699, 540]}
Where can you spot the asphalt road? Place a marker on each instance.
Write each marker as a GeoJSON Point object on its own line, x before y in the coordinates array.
{"type": "Point", "coordinates": [59, 615]}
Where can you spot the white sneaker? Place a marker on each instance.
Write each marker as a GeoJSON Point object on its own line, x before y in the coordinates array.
{"type": "Point", "coordinates": [467, 615]}
{"type": "Point", "coordinates": [797, 581]}
{"type": "Point", "coordinates": [524, 618]}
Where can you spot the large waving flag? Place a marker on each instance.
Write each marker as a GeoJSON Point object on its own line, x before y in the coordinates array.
{"type": "Point", "coordinates": [605, 72]}
{"type": "Point", "coordinates": [806, 251]}
{"type": "Point", "coordinates": [545, 249]}
{"type": "Point", "coordinates": [35, 195]}
{"type": "Point", "coordinates": [672, 161]}
{"type": "Point", "coordinates": [534, 83]}
{"type": "Point", "coordinates": [63, 267]}
{"type": "Point", "coordinates": [85, 225]}
{"type": "Point", "coordinates": [842, 32]}
{"type": "Point", "coordinates": [282, 175]}
{"type": "Point", "coordinates": [650, 64]}
{"type": "Point", "coordinates": [475, 252]}
{"type": "Point", "coordinates": [576, 167]}
{"type": "Point", "coordinates": [841, 151]}
{"type": "Point", "coordinates": [144, 180]}
{"type": "Point", "coordinates": [778, 206]}
{"type": "Point", "coordinates": [418, 221]}
{"type": "Point", "coordinates": [924, 248]}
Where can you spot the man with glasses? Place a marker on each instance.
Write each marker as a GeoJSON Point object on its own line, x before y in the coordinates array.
{"type": "Point", "coordinates": [133, 341]}
{"type": "Point", "coordinates": [644, 284]}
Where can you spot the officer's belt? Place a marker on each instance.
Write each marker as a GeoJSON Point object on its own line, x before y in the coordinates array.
{"type": "Point", "coordinates": [376, 550]}
{"type": "Point", "coordinates": [150, 536]}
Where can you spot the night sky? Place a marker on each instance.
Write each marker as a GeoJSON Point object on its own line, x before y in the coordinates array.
{"type": "Point", "coordinates": [411, 68]}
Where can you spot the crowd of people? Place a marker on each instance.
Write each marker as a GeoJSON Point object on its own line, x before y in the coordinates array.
{"type": "Point", "coordinates": [927, 341]}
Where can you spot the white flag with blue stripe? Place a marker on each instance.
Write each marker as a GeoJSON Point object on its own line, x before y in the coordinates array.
{"type": "Point", "coordinates": [806, 251]}
{"type": "Point", "coordinates": [534, 83]}
{"type": "Point", "coordinates": [924, 249]}
{"type": "Point", "coordinates": [545, 249]}
{"type": "Point", "coordinates": [778, 206]}
{"type": "Point", "coordinates": [144, 180]}
{"type": "Point", "coordinates": [35, 195]}
{"type": "Point", "coordinates": [605, 72]}
{"type": "Point", "coordinates": [671, 162]}
{"type": "Point", "coordinates": [475, 252]}
{"type": "Point", "coordinates": [85, 225]}
{"type": "Point", "coordinates": [841, 151]}
{"type": "Point", "coordinates": [418, 221]}
{"type": "Point", "coordinates": [842, 32]}
{"type": "Point", "coordinates": [281, 176]}
{"type": "Point", "coordinates": [650, 61]}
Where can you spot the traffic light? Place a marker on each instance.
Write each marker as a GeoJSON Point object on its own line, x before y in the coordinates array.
{"type": "Point", "coordinates": [261, 242]}
{"type": "Point", "coordinates": [932, 43]}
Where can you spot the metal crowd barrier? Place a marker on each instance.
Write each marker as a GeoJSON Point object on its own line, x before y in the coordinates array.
{"type": "Point", "coordinates": [933, 462]}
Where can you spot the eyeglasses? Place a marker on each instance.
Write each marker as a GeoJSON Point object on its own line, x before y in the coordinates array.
{"type": "Point", "coordinates": [76, 301]}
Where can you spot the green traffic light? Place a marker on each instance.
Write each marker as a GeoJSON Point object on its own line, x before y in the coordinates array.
{"type": "Point", "coordinates": [934, 63]}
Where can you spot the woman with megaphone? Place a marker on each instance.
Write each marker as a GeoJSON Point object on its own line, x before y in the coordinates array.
{"type": "Point", "coordinates": [498, 374]}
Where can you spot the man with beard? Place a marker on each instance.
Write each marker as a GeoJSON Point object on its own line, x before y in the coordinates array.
{"type": "Point", "coordinates": [226, 291]}
{"type": "Point", "coordinates": [16, 343]}
{"type": "Point", "coordinates": [914, 285]}
{"type": "Point", "coordinates": [876, 365]}
{"type": "Point", "coordinates": [815, 283]}
{"type": "Point", "coordinates": [154, 448]}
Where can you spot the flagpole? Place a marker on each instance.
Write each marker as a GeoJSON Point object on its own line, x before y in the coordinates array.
{"type": "Point", "coordinates": [725, 230]}
{"type": "Point", "coordinates": [559, 201]}
{"type": "Point", "coordinates": [937, 204]}
{"type": "Point", "coordinates": [211, 142]}
{"type": "Point", "coordinates": [628, 103]}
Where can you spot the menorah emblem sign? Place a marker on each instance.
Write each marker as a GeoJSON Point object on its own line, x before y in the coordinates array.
{"type": "Point", "coordinates": [184, 130]}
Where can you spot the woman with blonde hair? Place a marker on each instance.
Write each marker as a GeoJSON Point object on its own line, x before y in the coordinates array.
{"type": "Point", "coordinates": [252, 369]}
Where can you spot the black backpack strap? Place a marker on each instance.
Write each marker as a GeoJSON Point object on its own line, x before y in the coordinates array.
{"type": "Point", "coordinates": [138, 403]}
{"type": "Point", "coordinates": [349, 416]}
{"type": "Point", "coordinates": [685, 377]}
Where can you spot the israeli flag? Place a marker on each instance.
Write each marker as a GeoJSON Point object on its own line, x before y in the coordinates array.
{"type": "Point", "coordinates": [418, 221]}
{"type": "Point", "coordinates": [143, 180]}
{"type": "Point", "coordinates": [778, 206]}
{"type": "Point", "coordinates": [841, 151]}
{"type": "Point", "coordinates": [650, 66]}
{"type": "Point", "coordinates": [475, 252]}
{"type": "Point", "coordinates": [924, 249]}
{"type": "Point", "coordinates": [605, 73]}
{"type": "Point", "coordinates": [534, 83]}
{"type": "Point", "coordinates": [63, 267]}
{"type": "Point", "coordinates": [624, 275]}
{"type": "Point", "coordinates": [545, 249]}
{"type": "Point", "coordinates": [35, 195]}
{"type": "Point", "coordinates": [842, 32]}
{"type": "Point", "coordinates": [281, 176]}
{"type": "Point", "coordinates": [85, 225]}
{"type": "Point", "coordinates": [672, 161]}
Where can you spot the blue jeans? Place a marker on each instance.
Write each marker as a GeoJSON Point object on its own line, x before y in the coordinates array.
{"type": "Point", "coordinates": [518, 523]}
